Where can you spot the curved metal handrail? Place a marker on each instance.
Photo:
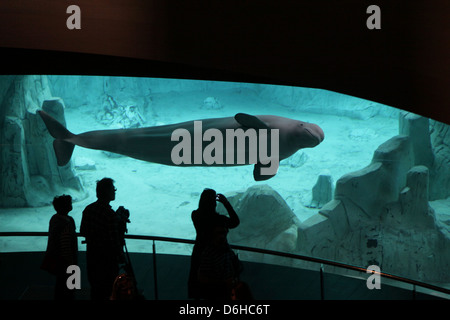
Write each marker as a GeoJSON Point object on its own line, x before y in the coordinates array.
{"type": "Point", "coordinates": [257, 250]}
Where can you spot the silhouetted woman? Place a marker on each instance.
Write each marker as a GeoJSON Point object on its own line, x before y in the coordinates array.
{"type": "Point", "coordinates": [62, 247]}
{"type": "Point", "coordinates": [205, 220]}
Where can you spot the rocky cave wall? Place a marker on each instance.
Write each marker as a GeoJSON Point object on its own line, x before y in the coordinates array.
{"type": "Point", "coordinates": [440, 174]}
{"type": "Point", "coordinates": [125, 91]}
{"type": "Point", "coordinates": [139, 91]}
{"type": "Point", "coordinates": [310, 100]}
{"type": "Point", "coordinates": [29, 174]}
{"type": "Point", "coordinates": [380, 215]}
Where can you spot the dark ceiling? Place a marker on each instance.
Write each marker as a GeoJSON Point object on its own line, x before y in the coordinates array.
{"type": "Point", "coordinates": [320, 44]}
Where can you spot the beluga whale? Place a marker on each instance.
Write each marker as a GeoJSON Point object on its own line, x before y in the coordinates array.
{"type": "Point", "coordinates": [244, 139]}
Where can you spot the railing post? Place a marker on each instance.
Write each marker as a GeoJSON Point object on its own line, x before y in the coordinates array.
{"type": "Point", "coordinates": [322, 294]}
{"type": "Point", "coordinates": [414, 292]}
{"type": "Point", "coordinates": [155, 273]}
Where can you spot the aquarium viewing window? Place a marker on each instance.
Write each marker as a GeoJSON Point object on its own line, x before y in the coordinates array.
{"type": "Point", "coordinates": [321, 174]}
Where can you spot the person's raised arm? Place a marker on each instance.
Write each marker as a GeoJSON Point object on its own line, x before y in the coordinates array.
{"type": "Point", "coordinates": [233, 221]}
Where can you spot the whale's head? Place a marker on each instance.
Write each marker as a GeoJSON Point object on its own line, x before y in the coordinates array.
{"type": "Point", "coordinates": [307, 135]}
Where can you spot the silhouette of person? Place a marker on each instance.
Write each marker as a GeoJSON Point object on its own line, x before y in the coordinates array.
{"type": "Point", "coordinates": [218, 269]}
{"type": "Point", "coordinates": [104, 231]}
{"type": "Point", "coordinates": [62, 246]}
{"type": "Point", "coordinates": [205, 219]}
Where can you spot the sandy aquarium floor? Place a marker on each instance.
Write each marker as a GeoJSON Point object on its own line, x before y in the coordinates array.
{"type": "Point", "coordinates": [161, 198]}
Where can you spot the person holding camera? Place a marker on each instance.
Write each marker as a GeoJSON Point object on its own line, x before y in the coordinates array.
{"type": "Point", "coordinates": [206, 220]}
{"type": "Point", "coordinates": [104, 231]}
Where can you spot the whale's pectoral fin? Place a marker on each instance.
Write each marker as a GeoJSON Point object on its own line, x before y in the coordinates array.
{"type": "Point", "coordinates": [63, 151]}
{"type": "Point", "coordinates": [258, 175]}
{"type": "Point", "coordinates": [249, 121]}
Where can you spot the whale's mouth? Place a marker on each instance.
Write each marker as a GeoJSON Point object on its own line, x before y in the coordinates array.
{"type": "Point", "coordinates": [317, 138]}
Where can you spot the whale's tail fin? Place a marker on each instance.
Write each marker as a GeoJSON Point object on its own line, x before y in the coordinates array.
{"type": "Point", "coordinates": [62, 146]}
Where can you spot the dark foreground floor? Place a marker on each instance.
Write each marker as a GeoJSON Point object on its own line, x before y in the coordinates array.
{"type": "Point", "coordinates": [22, 279]}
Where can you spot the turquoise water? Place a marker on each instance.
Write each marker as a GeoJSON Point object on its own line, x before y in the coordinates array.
{"type": "Point", "coordinates": [161, 198]}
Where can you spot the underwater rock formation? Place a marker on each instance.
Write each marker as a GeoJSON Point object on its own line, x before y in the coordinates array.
{"type": "Point", "coordinates": [297, 160]}
{"type": "Point", "coordinates": [30, 176]}
{"type": "Point", "coordinates": [417, 128]}
{"type": "Point", "coordinates": [120, 116]}
{"type": "Point", "coordinates": [413, 199]}
{"type": "Point", "coordinates": [126, 91]}
{"type": "Point", "coordinates": [322, 191]}
{"type": "Point", "coordinates": [430, 141]}
{"type": "Point", "coordinates": [83, 163]}
{"type": "Point", "coordinates": [440, 173]}
{"type": "Point", "coordinates": [266, 220]}
{"type": "Point", "coordinates": [380, 215]}
{"type": "Point", "coordinates": [212, 103]}
{"type": "Point", "coordinates": [381, 181]}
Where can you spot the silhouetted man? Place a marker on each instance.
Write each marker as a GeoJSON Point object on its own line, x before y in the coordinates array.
{"type": "Point", "coordinates": [104, 230]}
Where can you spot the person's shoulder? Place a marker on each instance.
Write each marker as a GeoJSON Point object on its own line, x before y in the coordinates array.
{"type": "Point", "coordinates": [54, 219]}
{"type": "Point", "coordinates": [91, 206]}
{"type": "Point", "coordinates": [194, 216]}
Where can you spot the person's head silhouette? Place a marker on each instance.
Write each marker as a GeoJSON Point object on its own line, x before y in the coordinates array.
{"type": "Point", "coordinates": [62, 204]}
{"type": "Point", "coordinates": [106, 191]}
{"type": "Point", "coordinates": [207, 200]}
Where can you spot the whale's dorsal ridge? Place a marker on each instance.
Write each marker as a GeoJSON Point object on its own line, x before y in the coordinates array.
{"type": "Point", "coordinates": [249, 121]}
